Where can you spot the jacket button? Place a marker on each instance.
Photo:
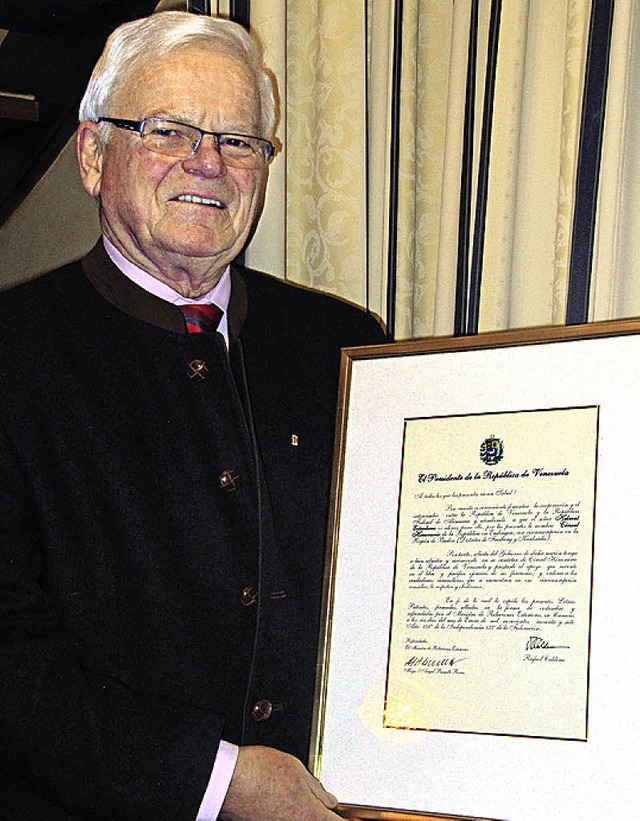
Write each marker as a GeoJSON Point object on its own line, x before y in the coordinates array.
{"type": "Point", "coordinates": [197, 369]}
{"type": "Point", "coordinates": [228, 480]}
{"type": "Point", "coordinates": [262, 710]}
{"type": "Point", "coordinates": [249, 595]}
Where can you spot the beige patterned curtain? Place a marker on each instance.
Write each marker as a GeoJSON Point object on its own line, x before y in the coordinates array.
{"type": "Point", "coordinates": [326, 219]}
{"type": "Point", "coordinates": [435, 45]}
{"type": "Point", "coordinates": [615, 288]}
{"type": "Point", "coordinates": [322, 226]}
{"type": "Point", "coordinates": [533, 163]}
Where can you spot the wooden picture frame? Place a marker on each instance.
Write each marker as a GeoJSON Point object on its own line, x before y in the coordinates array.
{"type": "Point", "coordinates": [566, 399]}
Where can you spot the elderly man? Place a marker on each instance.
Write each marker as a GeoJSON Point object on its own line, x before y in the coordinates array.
{"type": "Point", "coordinates": [164, 465]}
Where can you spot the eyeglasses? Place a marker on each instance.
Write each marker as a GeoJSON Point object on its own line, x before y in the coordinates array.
{"type": "Point", "coordinates": [182, 140]}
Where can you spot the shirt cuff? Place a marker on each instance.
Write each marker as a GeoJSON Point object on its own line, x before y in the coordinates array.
{"type": "Point", "coordinates": [221, 775]}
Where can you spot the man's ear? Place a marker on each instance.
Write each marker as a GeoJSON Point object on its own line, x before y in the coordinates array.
{"type": "Point", "coordinates": [90, 156]}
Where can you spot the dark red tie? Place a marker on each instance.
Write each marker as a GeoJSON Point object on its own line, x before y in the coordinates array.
{"type": "Point", "coordinates": [201, 318]}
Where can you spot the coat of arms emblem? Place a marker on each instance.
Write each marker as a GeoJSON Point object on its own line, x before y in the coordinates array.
{"type": "Point", "coordinates": [491, 450]}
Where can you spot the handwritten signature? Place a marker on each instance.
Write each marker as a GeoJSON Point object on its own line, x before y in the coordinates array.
{"type": "Point", "coordinates": [428, 661]}
{"type": "Point", "coordinates": [538, 643]}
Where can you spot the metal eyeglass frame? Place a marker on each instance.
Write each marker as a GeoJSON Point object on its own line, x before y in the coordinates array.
{"type": "Point", "coordinates": [138, 126]}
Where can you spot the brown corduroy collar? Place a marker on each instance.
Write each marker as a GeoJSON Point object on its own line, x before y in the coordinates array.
{"type": "Point", "coordinates": [120, 291]}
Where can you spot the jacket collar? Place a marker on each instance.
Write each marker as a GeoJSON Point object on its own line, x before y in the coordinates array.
{"type": "Point", "coordinates": [125, 295]}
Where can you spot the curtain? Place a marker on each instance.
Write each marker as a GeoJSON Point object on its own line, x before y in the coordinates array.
{"type": "Point", "coordinates": [615, 281]}
{"type": "Point", "coordinates": [373, 208]}
{"type": "Point", "coordinates": [318, 236]}
{"type": "Point", "coordinates": [434, 67]}
{"type": "Point", "coordinates": [533, 163]}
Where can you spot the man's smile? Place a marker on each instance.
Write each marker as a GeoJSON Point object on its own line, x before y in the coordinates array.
{"type": "Point", "coordinates": [194, 198]}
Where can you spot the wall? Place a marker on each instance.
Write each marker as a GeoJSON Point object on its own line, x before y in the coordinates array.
{"type": "Point", "coordinates": [56, 223]}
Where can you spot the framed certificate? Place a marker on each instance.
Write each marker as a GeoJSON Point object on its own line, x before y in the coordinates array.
{"type": "Point", "coordinates": [479, 658]}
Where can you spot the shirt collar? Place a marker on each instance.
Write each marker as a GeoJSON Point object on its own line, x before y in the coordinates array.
{"type": "Point", "coordinates": [219, 294]}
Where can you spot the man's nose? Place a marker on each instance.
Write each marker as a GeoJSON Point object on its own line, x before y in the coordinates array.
{"type": "Point", "coordinates": [206, 159]}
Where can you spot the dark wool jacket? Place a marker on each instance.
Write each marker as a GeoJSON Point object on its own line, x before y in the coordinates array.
{"type": "Point", "coordinates": [162, 526]}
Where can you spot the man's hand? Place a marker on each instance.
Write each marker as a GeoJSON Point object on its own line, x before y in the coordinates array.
{"type": "Point", "coordinates": [268, 785]}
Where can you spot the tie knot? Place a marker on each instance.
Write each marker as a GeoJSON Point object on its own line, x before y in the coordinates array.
{"type": "Point", "coordinates": [201, 318]}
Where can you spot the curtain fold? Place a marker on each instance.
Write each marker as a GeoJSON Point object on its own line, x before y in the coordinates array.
{"type": "Point", "coordinates": [616, 283]}
{"type": "Point", "coordinates": [533, 161]}
{"type": "Point", "coordinates": [326, 139]}
{"type": "Point", "coordinates": [268, 248]}
{"type": "Point", "coordinates": [332, 174]}
{"type": "Point", "coordinates": [435, 37]}
{"type": "Point", "coordinates": [379, 66]}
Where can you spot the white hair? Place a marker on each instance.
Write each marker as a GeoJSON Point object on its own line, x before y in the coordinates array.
{"type": "Point", "coordinates": [135, 45]}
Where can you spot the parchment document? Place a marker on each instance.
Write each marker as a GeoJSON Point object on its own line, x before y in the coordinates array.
{"type": "Point", "coordinates": [490, 619]}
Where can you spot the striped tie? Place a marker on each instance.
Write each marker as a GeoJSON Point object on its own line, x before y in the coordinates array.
{"type": "Point", "coordinates": [201, 318]}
